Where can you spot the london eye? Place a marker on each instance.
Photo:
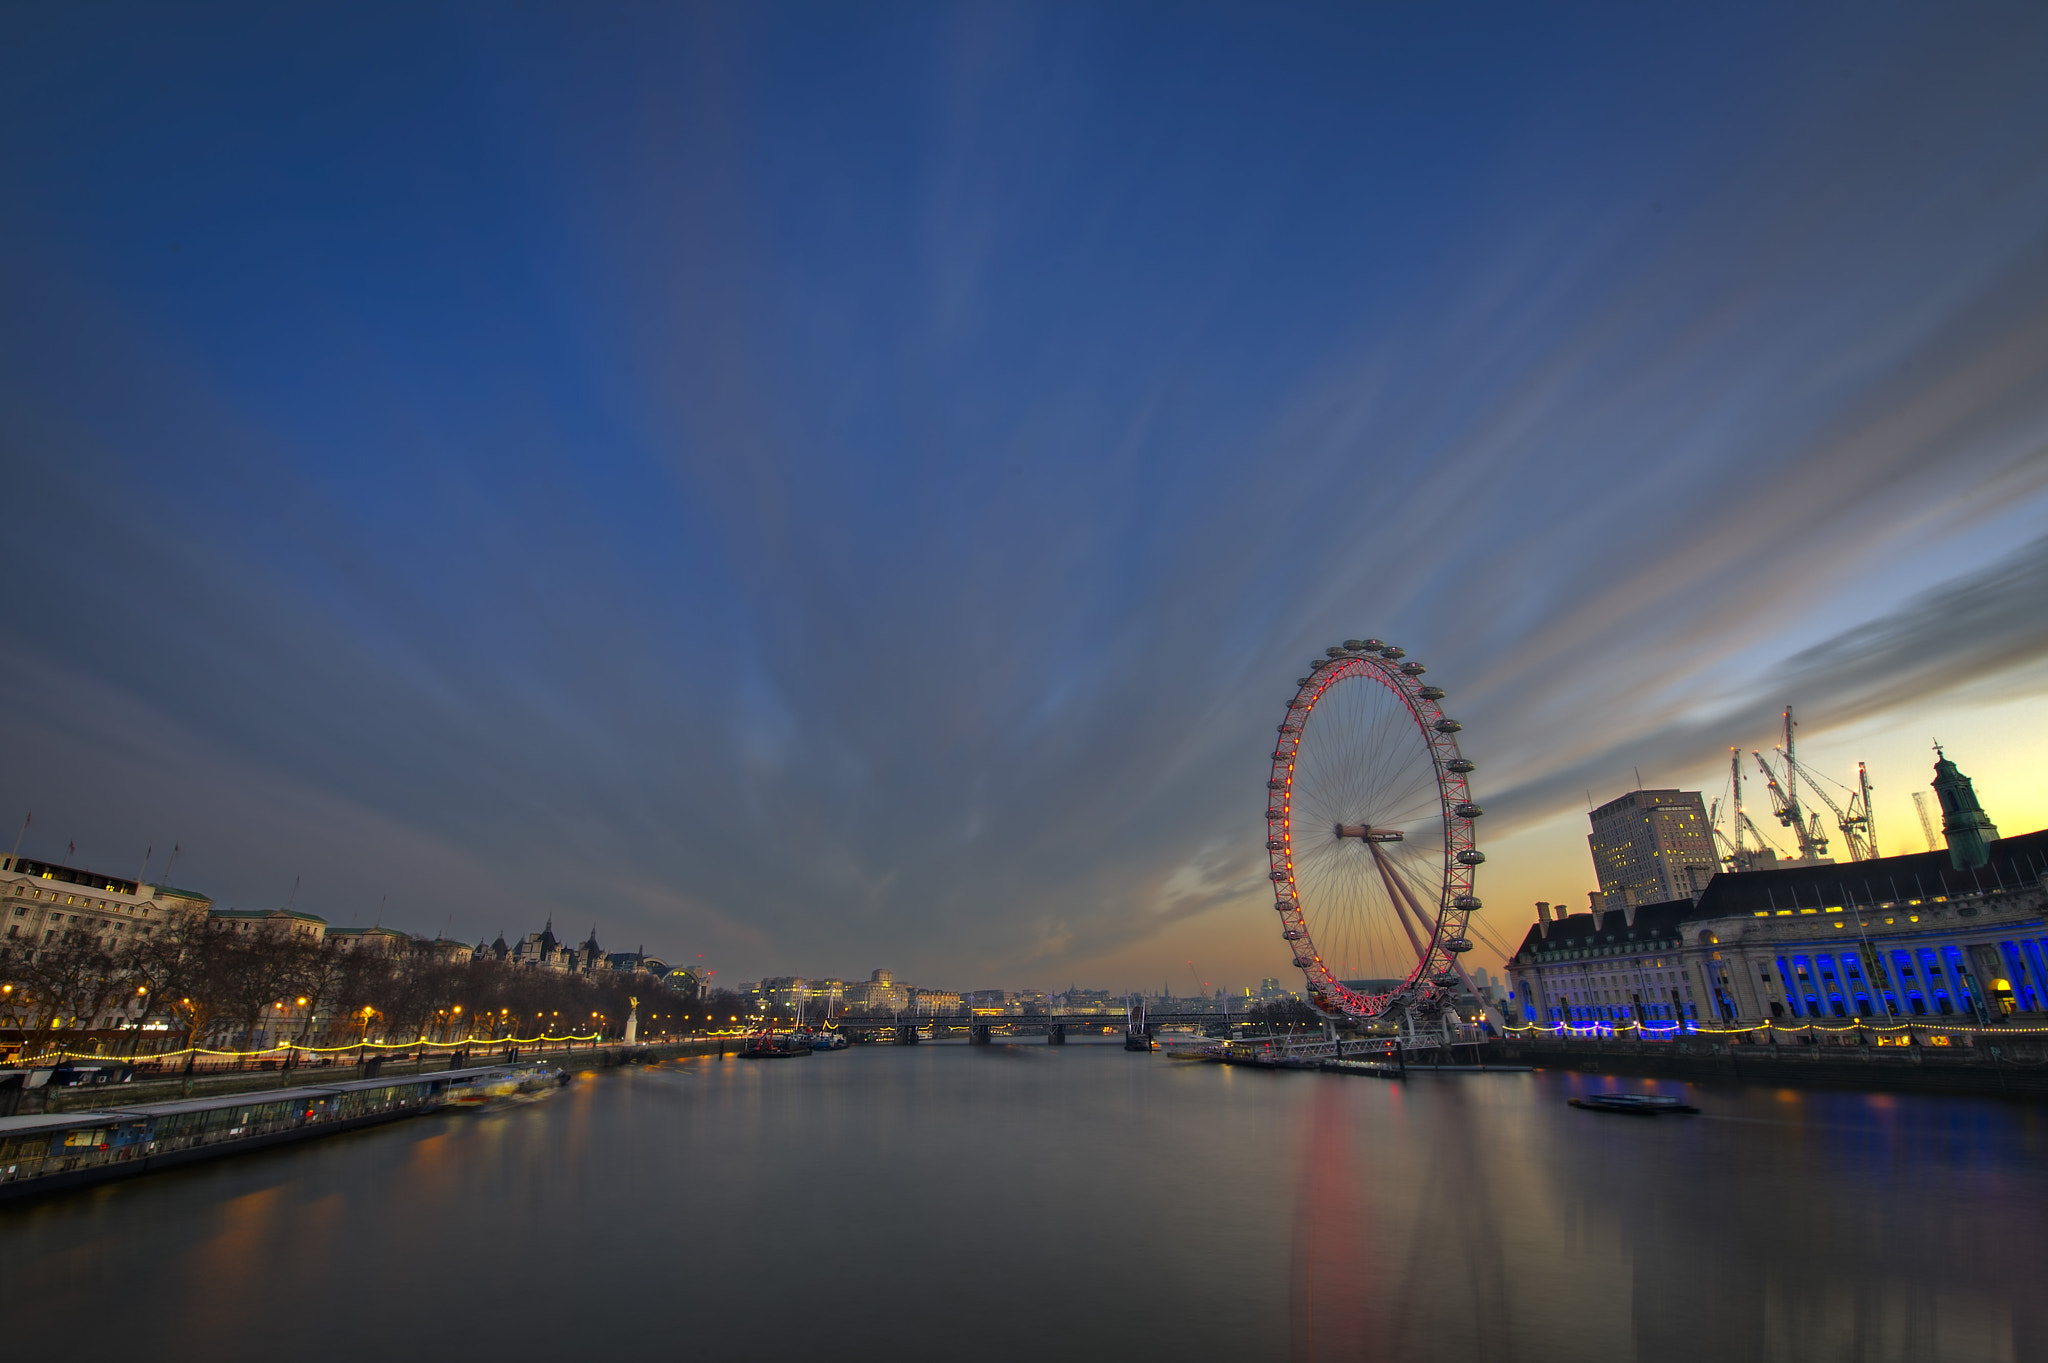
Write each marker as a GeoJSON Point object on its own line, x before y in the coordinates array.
{"type": "Point", "coordinates": [1369, 829]}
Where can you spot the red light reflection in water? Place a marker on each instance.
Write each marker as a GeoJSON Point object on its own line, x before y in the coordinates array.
{"type": "Point", "coordinates": [1334, 1307]}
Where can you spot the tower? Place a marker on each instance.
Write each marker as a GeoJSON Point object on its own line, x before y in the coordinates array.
{"type": "Point", "coordinates": [1964, 823]}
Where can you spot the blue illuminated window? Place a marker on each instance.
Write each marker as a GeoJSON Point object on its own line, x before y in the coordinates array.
{"type": "Point", "coordinates": [1961, 975]}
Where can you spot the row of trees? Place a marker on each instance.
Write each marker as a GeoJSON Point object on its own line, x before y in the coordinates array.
{"type": "Point", "coordinates": [235, 990]}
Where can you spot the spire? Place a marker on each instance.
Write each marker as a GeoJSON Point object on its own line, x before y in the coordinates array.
{"type": "Point", "coordinates": [1964, 824]}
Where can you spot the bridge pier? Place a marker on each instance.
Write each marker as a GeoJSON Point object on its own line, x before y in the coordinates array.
{"type": "Point", "coordinates": [1057, 1036]}
{"type": "Point", "coordinates": [978, 1035]}
{"type": "Point", "coordinates": [906, 1034]}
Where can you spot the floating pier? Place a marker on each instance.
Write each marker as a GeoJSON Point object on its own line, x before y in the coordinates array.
{"type": "Point", "coordinates": [49, 1152]}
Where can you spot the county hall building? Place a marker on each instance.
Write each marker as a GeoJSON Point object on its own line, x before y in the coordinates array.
{"type": "Point", "coordinates": [1955, 934]}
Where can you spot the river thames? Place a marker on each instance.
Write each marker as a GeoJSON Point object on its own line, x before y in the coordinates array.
{"type": "Point", "coordinates": [1035, 1202]}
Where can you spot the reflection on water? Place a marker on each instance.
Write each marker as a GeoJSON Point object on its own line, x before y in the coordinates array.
{"type": "Point", "coordinates": [1030, 1201]}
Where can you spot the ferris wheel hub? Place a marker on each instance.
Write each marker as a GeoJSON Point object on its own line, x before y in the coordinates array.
{"type": "Point", "coordinates": [1367, 833]}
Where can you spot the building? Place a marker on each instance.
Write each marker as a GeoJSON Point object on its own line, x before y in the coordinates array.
{"type": "Point", "coordinates": [1893, 938]}
{"type": "Point", "coordinates": [386, 941]}
{"type": "Point", "coordinates": [880, 994]}
{"type": "Point", "coordinates": [629, 962]}
{"type": "Point", "coordinates": [41, 900]}
{"type": "Point", "coordinates": [544, 951]}
{"type": "Point", "coordinates": [446, 950]}
{"type": "Point", "coordinates": [292, 922]}
{"type": "Point", "coordinates": [1651, 846]}
{"type": "Point", "coordinates": [1965, 826]}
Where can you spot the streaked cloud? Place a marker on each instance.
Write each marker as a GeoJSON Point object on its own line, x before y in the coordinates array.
{"type": "Point", "coordinates": [829, 490]}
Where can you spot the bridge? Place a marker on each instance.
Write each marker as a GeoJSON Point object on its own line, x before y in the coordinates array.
{"type": "Point", "coordinates": [1054, 1027]}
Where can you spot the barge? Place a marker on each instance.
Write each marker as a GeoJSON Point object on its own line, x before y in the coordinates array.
{"type": "Point", "coordinates": [51, 1152]}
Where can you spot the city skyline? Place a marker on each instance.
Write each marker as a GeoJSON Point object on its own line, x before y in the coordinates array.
{"type": "Point", "coordinates": [814, 486]}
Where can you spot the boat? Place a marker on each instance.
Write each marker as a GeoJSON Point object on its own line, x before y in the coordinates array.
{"type": "Point", "coordinates": [768, 1046]}
{"type": "Point", "coordinates": [508, 1082]}
{"type": "Point", "coordinates": [1634, 1104]}
{"type": "Point", "coordinates": [823, 1041]}
{"type": "Point", "coordinates": [1138, 1041]}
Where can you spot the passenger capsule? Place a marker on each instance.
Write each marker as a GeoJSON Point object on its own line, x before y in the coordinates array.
{"type": "Point", "coordinates": [1294, 934]}
{"type": "Point", "coordinates": [1303, 962]}
{"type": "Point", "coordinates": [1275, 845]}
{"type": "Point", "coordinates": [1468, 810]}
{"type": "Point", "coordinates": [1433, 693]}
{"type": "Point", "coordinates": [1276, 816]}
{"type": "Point", "coordinates": [1372, 645]}
{"type": "Point", "coordinates": [1447, 980]}
{"type": "Point", "coordinates": [1392, 654]}
{"type": "Point", "coordinates": [1461, 765]}
{"type": "Point", "coordinates": [1303, 681]}
{"type": "Point", "coordinates": [1287, 905]}
{"type": "Point", "coordinates": [1335, 650]}
{"type": "Point", "coordinates": [1471, 856]}
{"type": "Point", "coordinates": [1457, 944]}
{"type": "Point", "coordinates": [1469, 903]}
{"type": "Point", "coordinates": [1355, 645]}
{"type": "Point", "coordinates": [1413, 669]}
{"type": "Point", "coordinates": [1280, 875]}
{"type": "Point", "coordinates": [1447, 726]}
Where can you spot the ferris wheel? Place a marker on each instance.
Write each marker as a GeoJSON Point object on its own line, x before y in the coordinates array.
{"type": "Point", "coordinates": [1369, 829]}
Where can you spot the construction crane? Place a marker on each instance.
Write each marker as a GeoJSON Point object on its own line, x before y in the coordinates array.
{"type": "Point", "coordinates": [1813, 839]}
{"type": "Point", "coordinates": [1926, 824]}
{"type": "Point", "coordinates": [1735, 855]}
{"type": "Point", "coordinates": [1854, 823]}
{"type": "Point", "coordinates": [1856, 820]}
{"type": "Point", "coordinates": [1743, 846]}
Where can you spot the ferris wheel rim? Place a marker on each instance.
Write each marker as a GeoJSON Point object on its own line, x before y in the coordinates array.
{"type": "Point", "coordinates": [1431, 985]}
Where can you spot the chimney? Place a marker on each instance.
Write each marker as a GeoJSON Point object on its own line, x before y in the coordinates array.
{"type": "Point", "coordinates": [1543, 918]}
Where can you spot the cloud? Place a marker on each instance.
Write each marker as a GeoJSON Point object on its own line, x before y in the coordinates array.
{"type": "Point", "coordinates": [839, 511]}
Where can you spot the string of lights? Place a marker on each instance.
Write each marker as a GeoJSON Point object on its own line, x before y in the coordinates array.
{"type": "Point", "coordinates": [485, 1043]}
{"type": "Point", "coordinates": [1670, 1028]}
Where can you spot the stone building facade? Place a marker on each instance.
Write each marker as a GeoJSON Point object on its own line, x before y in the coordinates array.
{"type": "Point", "coordinates": [1912, 938]}
{"type": "Point", "coordinates": [39, 901]}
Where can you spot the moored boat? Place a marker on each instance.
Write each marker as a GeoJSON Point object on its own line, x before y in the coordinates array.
{"type": "Point", "coordinates": [1634, 1104]}
{"type": "Point", "coordinates": [768, 1046]}
{"type": "Point", "coordinates": [506, 1083]}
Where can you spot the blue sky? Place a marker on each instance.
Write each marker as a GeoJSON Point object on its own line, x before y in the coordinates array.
{"type": "Point", "coordinates": [829, 486]}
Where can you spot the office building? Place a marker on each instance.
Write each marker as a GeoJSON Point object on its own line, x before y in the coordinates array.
{"type": "Point", "coordinates": [1652, 846]}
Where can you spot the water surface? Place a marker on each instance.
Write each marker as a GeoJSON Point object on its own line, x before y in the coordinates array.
{"type": "Point", "coordinates": [1037, 1202]}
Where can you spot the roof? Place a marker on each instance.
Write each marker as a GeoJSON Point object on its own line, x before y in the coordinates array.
{"type": "Point", "coordinates": [1577, 931]}
{"type": "Point", "coordinates": [31, 1122]}
{"type": "Point", "coordinates": [41, 1121]}
{"type": "Point", "coordinates": [2016, 863]}
{"type": "Point", "coordinates": [300, 914]}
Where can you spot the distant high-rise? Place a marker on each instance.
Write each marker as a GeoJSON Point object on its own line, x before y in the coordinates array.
{"type": "Point", "coordinates": [1652, 846]}
{"type": "Point", "coordinates": [1964, 823]}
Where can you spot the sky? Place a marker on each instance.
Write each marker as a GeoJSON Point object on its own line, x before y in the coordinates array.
{"type": "Point", "coordinates": [811, 488]}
